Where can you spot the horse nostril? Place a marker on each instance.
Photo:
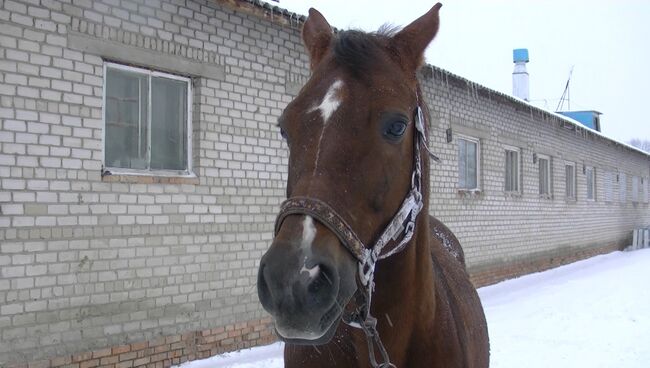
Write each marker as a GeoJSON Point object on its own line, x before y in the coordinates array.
{"type": "Point", "coordinates": [263, 290]}
{"type": "Point", "coordinates": [321, 287]}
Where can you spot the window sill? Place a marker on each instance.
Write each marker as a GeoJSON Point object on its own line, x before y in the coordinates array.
{"type": "Point", "coordinates": [470, 193]}
{"type": "Point", "coordinates": [513, 194]}
{"type": "Point", "coordinates": [546, 196]}
{"type": "Point", "coordinates": [148, 178]}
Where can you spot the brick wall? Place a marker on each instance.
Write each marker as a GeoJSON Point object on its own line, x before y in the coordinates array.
{"type": "Point", "coordinates": [92, 263]}
{"type": "Point", "coordinates": [497, 228]}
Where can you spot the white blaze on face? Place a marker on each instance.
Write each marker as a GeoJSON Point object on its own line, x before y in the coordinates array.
{"type": "Point", "coordinates": [327, 107]}
{"type": "Point", "coordinates": [331, 101]}
{"type": "Point", "coordinates": [308, 235]}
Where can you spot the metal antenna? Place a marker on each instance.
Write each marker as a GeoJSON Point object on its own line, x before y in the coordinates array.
{"type": "Point", "coordinates": [566, 95]}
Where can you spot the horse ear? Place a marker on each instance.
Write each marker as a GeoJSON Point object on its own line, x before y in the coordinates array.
{"type": "Point", "coordinates": [411, 41]}
{"type": "Point", "coordinates": [316, 35]}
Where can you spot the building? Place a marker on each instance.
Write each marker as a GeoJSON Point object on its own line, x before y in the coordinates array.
{"type": "Point", "coordinates": [127, 244]}
{"type": "Point", "coordinates": [590, 118]}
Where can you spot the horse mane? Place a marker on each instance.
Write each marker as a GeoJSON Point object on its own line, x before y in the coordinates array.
{"type": "Point", "coordinates": [357, 50]}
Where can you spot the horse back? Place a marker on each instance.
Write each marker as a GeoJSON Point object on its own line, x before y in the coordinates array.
{"type": "Point", "coordinates": [464, 341]}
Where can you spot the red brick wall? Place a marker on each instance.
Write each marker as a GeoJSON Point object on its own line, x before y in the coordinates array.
{"type": "Point", "coordinates": [166, 351]}
{"type": "Point", "coordinates": [493, 275]}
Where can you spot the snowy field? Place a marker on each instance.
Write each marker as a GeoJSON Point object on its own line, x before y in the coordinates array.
{"type": "Point", "coordinates": [592, 313]}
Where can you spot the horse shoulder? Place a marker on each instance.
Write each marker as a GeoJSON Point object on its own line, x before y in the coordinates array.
{"type": "Point", "coordinates": [447, 239]}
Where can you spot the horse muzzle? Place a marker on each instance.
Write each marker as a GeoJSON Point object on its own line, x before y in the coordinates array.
{"type": "Point", "coordinates": [306, 286]}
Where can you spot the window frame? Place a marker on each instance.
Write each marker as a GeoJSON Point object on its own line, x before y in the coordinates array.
{"type": "Point", "coordinates": [574, 196]}
{"type": "Point", "coordinates": [622, 187]}
{"type": "Point", "coordinates": [477, 141]}
{"type": "Point", "coordinates": [549, 179]}
{"type": "Point", "coordinates": [189, 171]}
{"type": "Point", "coordinates": [591, 169]}
{"type": "Point", "coordinates": [635, 189]}
{"type": "Point", "coordinates": [608, 186]}
{"type": "Point", "coordinates": [516, 150]}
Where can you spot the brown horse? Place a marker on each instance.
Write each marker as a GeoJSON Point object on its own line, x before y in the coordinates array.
{"type": "Point", "coordinates": [349, 243]}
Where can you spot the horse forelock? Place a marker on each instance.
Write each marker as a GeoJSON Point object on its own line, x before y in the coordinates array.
{"type": "Point", "coordinates": [357, 51]}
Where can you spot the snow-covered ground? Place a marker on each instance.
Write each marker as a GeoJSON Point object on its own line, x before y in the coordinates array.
{"type": "Point", "coordinates": [592, 313]}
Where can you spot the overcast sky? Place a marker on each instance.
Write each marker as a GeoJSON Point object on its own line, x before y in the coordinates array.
{"type": "Point", "coordinates": [606, 42]}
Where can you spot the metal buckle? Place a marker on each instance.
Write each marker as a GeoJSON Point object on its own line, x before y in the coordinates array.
{"type": "Point", "coordinates": [367, 269]}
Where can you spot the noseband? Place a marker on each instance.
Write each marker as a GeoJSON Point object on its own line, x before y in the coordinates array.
{"type": "Point", "coordinates": [393, 240]}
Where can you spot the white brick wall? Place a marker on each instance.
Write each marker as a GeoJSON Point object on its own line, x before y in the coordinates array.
{"type": "Point", "coordinates": [88, 262]}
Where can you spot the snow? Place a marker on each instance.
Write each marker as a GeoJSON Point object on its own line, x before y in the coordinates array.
{"type": "Point", "coordinates": [269, 356]}
{"type": "Point", "coordinates": [592, 313]}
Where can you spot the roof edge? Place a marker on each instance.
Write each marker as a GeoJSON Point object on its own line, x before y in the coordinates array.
{"type": "Point", "coordinates": [520, 102]}
{"type": "Point", "coordinates": [267, 11]}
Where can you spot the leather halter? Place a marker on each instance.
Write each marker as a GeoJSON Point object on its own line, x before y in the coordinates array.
{"type": "Point", "coordinates": [393, 240]}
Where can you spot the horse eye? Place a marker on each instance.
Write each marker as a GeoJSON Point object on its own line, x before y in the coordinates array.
{"type": "Point", "coordinates": [395, 130]}
{"type": "Point", "coordinates": [283, 134]}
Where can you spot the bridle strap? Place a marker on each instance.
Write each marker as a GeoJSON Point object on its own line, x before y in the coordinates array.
{"type": "Point", "coordinates": [327, 216]}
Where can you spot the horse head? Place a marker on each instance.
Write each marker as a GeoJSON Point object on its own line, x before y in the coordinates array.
{"type": "Point", "coordinates": [351, 133]}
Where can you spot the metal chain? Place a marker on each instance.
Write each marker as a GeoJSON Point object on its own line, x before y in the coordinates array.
{"type": "Point", "coordinates": [369, 326]}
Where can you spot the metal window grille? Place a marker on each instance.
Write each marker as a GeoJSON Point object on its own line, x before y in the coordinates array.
{"type": "Point", "coordinates": [609, 186]}
{"type": "Point", "coordinates": [544, 176]}
{"type": "Point", "coordinates": [512, 171]}
{"type": "Point", "coordinates": [622, 188]}
{"type": "Point", "coordinates": [570, 181]}
{"type": "Point", "coordinates": [468, 163]}
{"type": "Point", "coordinates": [591, 183]}
{"type": "Point", "coordinates": [635, 189]}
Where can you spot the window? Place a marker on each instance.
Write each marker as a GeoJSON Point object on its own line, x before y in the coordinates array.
{"type": "Point", "coordinates": [512, 170]}
{"type": "Point", "coordinates": [622, 187]}
{"type": "Point", "coordinates": [147, 121]}
{"type": "Point", "coordinates": [646, 189]}
{"type": "Point", "coordinates": [544, 163]}
{"type": "Point", "coordinates": [609, 186]}
{"type": "Point", "coordinates": [590, 172]}
{"type": "Point", "coordinates": [570, 180]}
{"type": "Point", "coordinates": [635, 189]}
{"type": "Point", "coordinates": [468, 163]}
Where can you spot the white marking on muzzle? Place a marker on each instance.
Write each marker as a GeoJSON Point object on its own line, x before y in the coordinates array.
{"type": "Point", "coordinates": [313, 272]}
{"type": "Point", "coordinates": [308, 235]}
